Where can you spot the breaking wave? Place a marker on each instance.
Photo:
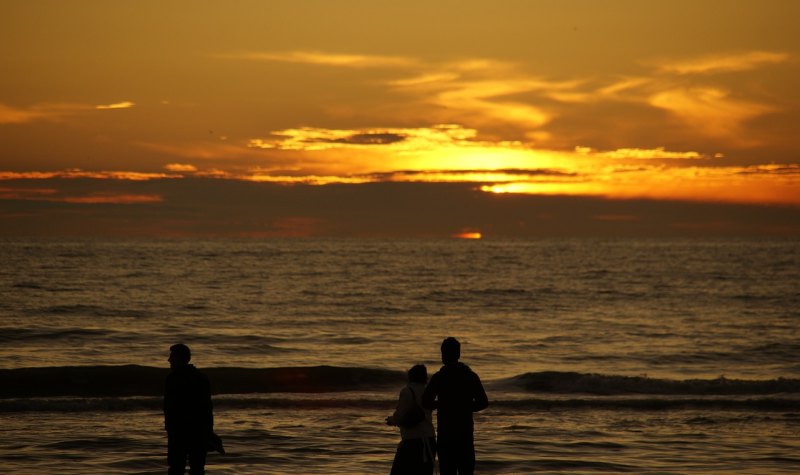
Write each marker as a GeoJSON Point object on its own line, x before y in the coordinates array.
{"type": "Point", "coordinates": [556, 382]}
{"type": "Point", "coordinates": [131, 387]}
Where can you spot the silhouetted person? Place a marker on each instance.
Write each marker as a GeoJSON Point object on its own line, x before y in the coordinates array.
{"type": "Point", "coordinates": [188, 414]}
{"type": "Point", "coordinates": [417, 449]}
{"type": "Point", "coordinates": [455, 391]}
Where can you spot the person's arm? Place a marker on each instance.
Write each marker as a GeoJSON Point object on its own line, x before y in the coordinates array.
{"type": "Point", "coordinates": [168, 403]}
{"type": "Point", "coordinates": [431, 391]}
{"type": "Point", "coordinates": [403, 405]}
{"type": "Point", "coordinates": [480, 400]}
{"type": "Point", "coordinates": [208, 406]}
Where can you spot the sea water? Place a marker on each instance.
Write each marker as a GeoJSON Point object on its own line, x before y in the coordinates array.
{"type": "Point", "coordinates": [599, 356]}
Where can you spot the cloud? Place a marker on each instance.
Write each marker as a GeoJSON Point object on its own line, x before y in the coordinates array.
{"type": "Point", "coordinates": [468, 175]}
{"type": "Point", "coordinates": [309, 138]}
{"type": "Point", "coordinates": [479, 92]}
{"type": "Point", "coordinates": [707, 105]}
{"type": "Point", "coordinates": [57, 196]}
{"type": "Point", "coordinates": [26, 193]}
{"type": "Point", "coordinates": [117, 105]}
{"type": "Point", "coordinates": [45, 111]}
{"type": "Point", "coordinates": [724, 63]}
{"type": "Point", "coordinates": [14, 115]}
{"type": "Point", "coordinates": [372, 138]}
{"type": "Point", "coordinates": [50, 111]}
{"type": "Point", "coordinates": [201, 150]}
{"type": "Point", "coordinates": [481, 98]}
{"type": "Point", "coordinates": [641, 154]}
{"type": "Point", "coordinates": [328, 59]}
{"type": "Point", "coordinates": [345, 152]}
{"type": "Point", "coordinates": [775, 185]}
{"type": "Point", "coordinates": [505, 100]}
{"type": "Point", "coordinates": [425, 79]}
{"type": "Point", "coordinates": [180, 167]}
{"type": "Point", "coordinates": [453, 153]}
{"type": "Point", "coordinates": [619, 87]}
{"type": "Point", "coordinates": [111, 198]}
{"type": "Point", "coordinates": [78, 173]}
{"type": "Point", "coordinates": [772, 169]}
{"type": "Point", "coordinates": [712, 111]}
{"type": "Point", "coordinates": [316, 139]}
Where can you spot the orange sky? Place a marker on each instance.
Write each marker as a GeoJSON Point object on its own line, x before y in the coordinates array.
{"type": "Point", "coordinates": [615, 101]}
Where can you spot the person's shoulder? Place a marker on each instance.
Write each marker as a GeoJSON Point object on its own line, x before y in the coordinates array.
{"type": "Point", "coordinates": [462, 368]}
{"type": "Point", "coordinates": [472, 373]}
{"type": "Point", "coordinates": [467, 372]}
{"type": "Point", "coordinates": [434, 379]}
{"type": "Point", "coordinates": [203, 378]}
{"type": "Point", "coordinates": [195, 371]}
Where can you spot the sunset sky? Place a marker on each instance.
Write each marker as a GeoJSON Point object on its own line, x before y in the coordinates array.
{"type": "Point", "coordinates": [506, 118]}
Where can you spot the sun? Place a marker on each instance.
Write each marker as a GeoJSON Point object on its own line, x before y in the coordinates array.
{"type": "Point", "coordinates": [468, 235]}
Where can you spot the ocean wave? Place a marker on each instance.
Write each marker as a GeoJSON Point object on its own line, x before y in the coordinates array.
{"type": "Point", "coordinates": [460, 295]}
{"type": "Point", "coordinates": [40, 287]}
{"type": "Point", "coordinates": [787, 407]}
{"type": "Point", "coordinates": [135, 380]}
{"type": "Point", "coordinates": [89, 310]}
{"type": "Point", "coordinates": [15, 335]}
{"type": "Point", "coordinates": [598, 384]}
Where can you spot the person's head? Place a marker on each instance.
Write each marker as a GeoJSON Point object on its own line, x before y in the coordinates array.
{"type": "Point", "coordinates": [451, 350]}
{"type": "Point", "coordinates": [179, 355]}
{"type": "Point", "coordinates": [418, 374]}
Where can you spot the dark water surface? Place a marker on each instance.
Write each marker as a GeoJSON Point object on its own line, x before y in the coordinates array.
{"type": "Point", "coordinates": [600, 356]}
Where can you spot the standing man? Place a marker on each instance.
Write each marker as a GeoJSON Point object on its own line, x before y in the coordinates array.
{"type": "Point", "coordinates": [188, 414]}
{"type": "Point", "coordinates": [455, 391]}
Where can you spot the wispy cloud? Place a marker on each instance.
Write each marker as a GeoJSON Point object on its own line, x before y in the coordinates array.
{"type": "Point", "coordinates": [315, 139]}
{"type": "Point", "coordinates": [327, 59]}
{"type": "Point", "coordinates": [77, 173]}
{"type": "Point", "coordinates": [757, 184]}
{"type": "Point", "coordinates": [710, 110]}
{"type": "Point", "coordinates": [658, 153]}
{"type": "Point", "coordinates": [201, 150]}
{"type": "Point", "coordinates": [26, 193]}
{"type": "Point", "coordinates": [481, 91]}
{"type": "Point", "coordinates": [503, 98]}
{"type": "Point", "coordinates": [708, 104]}
{"type": "Point", "coordinates": [116, 105]}
{"type": "Point", "coordinates": [58, 196]}
{"type": "Point", "coordinates": [50, 111]}
{"type": "Point", "coordinates": [14, 115]}
{"type": "Point", "coordinates": [180, 167]}
{"type": "Point", "coordinates": [111, 198]}
{"type": "Point", "coordinates": [723, 63]}
{"type": "Point", "coordinates": [21, 115]}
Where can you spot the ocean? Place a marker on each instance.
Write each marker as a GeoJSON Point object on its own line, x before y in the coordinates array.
{"type": "Point", "coordinates": [657, 356]}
